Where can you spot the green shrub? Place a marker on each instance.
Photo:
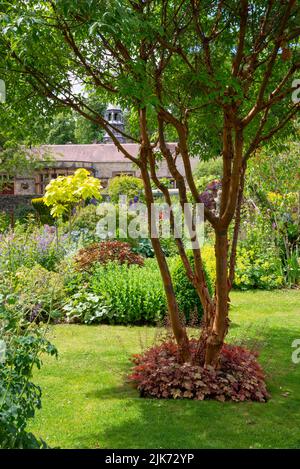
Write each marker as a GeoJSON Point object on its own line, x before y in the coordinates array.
{"type": "Point", "coordinates": [208, 171]}
{"type": "Point", "coordinates": [135, 295]}
{"type": "Point", "coordinates": [40, 292]}
{"type": "Point", "coordinates": [169, 246]}
{"type": "Point", "coordinates": [132, 295]}
{"type": "Point", "coordinates": [43, 211]}
{"type": "Point", "coordinates": [85, 307]}
{"type": "Point", "coordinates": [83, 230]}
{"type": "Point", "coordinates": [81, 305]}
{"type": "Point", "coordinates": [292, 269]}
{"type": "Point", "coordinates": [73, 279]}
{"type": "Point", "coordinates": [258, 263]}
{"type": "Point", "coordinates": [86, 218]}
{"type": "Point", "coordinates": [125, 185]}
{"type": "Point", "coordinates": [4, 222]}
{"type": "Point", "coordinates": [144, 247]}
{"type": "Point", "coordinates": [208, 256]}
{"type": "Point", "coordinates": [256, 269]}
{"type": "Point", "coordinates": [22, 344]}
{"type": "Point", "coordinates": [24, 213]}
{"type": "Point", "coordinates": [187, 297]}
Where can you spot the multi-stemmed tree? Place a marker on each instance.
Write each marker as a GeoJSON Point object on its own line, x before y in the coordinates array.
{"type": "Point", "coordinates": [218, 75]}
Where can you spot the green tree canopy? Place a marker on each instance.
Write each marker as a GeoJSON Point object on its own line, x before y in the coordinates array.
{"type": "Point", "coordinates": [62, 129]}
{"type": "Point", "coordinates": [217, 75]}
{"type": "Point", "coordinates": [87, 131]}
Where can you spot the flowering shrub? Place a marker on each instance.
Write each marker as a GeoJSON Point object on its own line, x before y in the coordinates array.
{"type": "Point", "coordinates": [105, 252]}
{"type": "Point", "coordinates": [84, 225]}
{"type": "Point", "coordinates": [26, 247]}
{"type": "Point", "coordinates": [273, 185]}
{"type": "Point", "coordinates": [257, 266]}
{"type": "Point", "coordinates": [257, 270]}
{"type": "Point", "coordinates": [40, 292]}
{"type": "Point", "coordinates": [157, 373]}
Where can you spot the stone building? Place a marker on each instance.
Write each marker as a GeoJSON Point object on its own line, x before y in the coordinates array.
{"type": "Point", "coordinates": [103, 160]}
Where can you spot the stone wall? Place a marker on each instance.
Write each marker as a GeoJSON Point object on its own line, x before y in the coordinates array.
{"type": "Point", "coordinates": [24, 186]}
{"type": "Point", "coordinates": [9, 203]}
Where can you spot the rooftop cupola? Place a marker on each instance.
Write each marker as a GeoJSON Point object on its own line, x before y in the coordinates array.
{"type": "Point", "coordinates": [114, 116]}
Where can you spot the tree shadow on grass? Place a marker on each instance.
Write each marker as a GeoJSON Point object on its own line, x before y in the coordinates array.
{"type": "Point", "coordinates": [125, 392]}
{"type": "Point", "coordinates": [152, 423]}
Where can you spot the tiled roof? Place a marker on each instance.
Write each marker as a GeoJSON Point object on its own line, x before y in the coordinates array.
{"type": "Point", "coordinates": [95, 153]}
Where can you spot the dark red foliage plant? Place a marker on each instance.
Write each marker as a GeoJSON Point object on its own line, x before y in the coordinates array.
{"type": "Point", "coordinates": [107, 251]}
{"type": "Point", "coordinates": [157, 373]}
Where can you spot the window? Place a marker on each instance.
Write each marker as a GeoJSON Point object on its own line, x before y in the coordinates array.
{"type": "Point", "coordinates": [44, 177]}
{"type": "Point", "coordinates": [123, 173]}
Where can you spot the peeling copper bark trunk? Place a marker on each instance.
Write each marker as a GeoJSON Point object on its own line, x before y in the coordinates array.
{"type": "Point", "coordinates": [178, 328]}
{"type": "Point", "coordinates": [215, 321]}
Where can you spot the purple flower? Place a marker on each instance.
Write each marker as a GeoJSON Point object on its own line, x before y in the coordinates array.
{"type": "Point", "coordinates": [35, 312]}
{"type": "Point", "coordinates": [49, 229]}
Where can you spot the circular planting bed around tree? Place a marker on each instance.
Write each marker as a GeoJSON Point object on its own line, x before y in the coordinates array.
{"type": "Point", "coordinates": [158, 373]}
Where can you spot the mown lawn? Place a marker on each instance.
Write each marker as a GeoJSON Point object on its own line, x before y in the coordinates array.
{"type": "Point", "coordinates": [87, 404]}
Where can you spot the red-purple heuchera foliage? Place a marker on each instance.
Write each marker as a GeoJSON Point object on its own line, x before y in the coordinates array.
{"type": "Point", "coordinates": [157, 373]}
{"type": "Point", "coordinates": [105, 252]}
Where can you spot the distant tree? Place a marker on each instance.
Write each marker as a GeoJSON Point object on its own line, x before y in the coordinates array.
{"type": "Point", "coordinates": [20, 127]}
{"type": "Point", "coordinates": [62, 129]}
{"type": "Point", "coordinates": [19, 160]}
{"type": "Point", "coordinates": [87, 131]}
{"type": "Point", "coordinates": [68, 127]}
